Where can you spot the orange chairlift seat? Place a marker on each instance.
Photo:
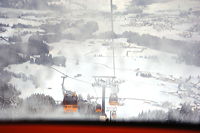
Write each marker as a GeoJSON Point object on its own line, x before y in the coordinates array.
{"type": "Point", "coordinates": [70, 102]}
{"type": "Point", "coordinates": [98, 108]}
{"type": "Point", "coordinates": [113, 99]}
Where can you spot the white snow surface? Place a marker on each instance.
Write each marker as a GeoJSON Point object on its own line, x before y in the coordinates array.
{"type": "Point", "coordinates": [148, 90]}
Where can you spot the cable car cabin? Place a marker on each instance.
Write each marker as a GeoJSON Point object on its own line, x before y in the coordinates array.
{"type": "Point", "coordinates": [113, 99]}
{"type": "Point", "coordinates": [98, 108]}
{"type": "Point", "coordinates": [70, 103]}
{"type": "Point", "coordinates": [114, 115]}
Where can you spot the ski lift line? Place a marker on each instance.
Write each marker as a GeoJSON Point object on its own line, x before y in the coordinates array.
{"type": "Point", "coordinates": [112, 29]}
{"type": "Point", "coordinates": [80, 80]}
{"type": "Point", "coordinates": [112, 26]}
{"type": "Point", "coordinates": [84, 82]}
{"type": "Point", "coordinates": [137, 99]}
{"type": "Point", "coordinates": [5, 40]}
{"type": "Point", "coordinates": [71, 77]}
{"type": "Point", "coordinates": [59, 71]}
{"type": "Point", "coordinates": [74, 79]}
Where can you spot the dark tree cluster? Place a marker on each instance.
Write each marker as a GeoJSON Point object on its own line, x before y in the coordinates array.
{"type": "Point", "coordinates": [183, 114]}
{"type": "Point", "coordinates": [53, 32]}
{"type": "Point", "coordinates": [47, 59]}
{"type": "Point", "coordinates": [163, 44]}
{"type": "Point", "coordinates": [144, 2]}
{"type": "Point", "coordinates": [39, 103]}
{"type": "Point", "coordinates": [9, 55]}
{"type": "Point", "coordinates": [53, 28]}
{"type": "Point", "coordinates": [189, 52]}
{"type": "Point", "coordinates": [19, 25]}
{"type": "Point", "coordinates": [78, 30]}
{"type": "Point", "coordinates": [54, 37]}
{"type": "Point", "coordinates": [89, 27]}
{"type": "Point", "coordinates": [27, 4]}
{"type": "Point", "coordinates": [192, 55]}
{"type": "Point", "coordinates": [5, 76]}
{"type": "Point", "coordinates": [2, 15]}
{"type": "Point", "coordinates": [44, 59]}
{"type": "Point", "coordinates": [2, 29]}
{"type": "Point", "coordinates": [37, 46]}
{"type": "Point", "coordinates": [4, 25]}
{"type": "Point", "coordinates": [22, 76]}
{"type": "Point", "coordinates": [15, 38]}
{"type": "Point", "coordinates": [20, 52]}
{"type": "Point", "coordinates": [8, 95]}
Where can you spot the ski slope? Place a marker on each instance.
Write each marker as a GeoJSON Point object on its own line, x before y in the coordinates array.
{"type": "Point", "coordinates": [90, 58]}
{"type": "Point", "coordinates": [147, 89]}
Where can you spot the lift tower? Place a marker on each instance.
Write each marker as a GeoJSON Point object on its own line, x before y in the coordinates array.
{"type": "Point", "coordinates": [108, 81]}
{"type": "Point", "coordinates": [103, 82]}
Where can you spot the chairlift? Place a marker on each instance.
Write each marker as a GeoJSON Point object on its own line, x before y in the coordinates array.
{"type": "Point", "coordinates": [70, 102]}
{"type": "Point", "coordinates": [114, 115]}
{"type": "Point", "coordinates": [113, 99]}
{"type": "Point", "coordinates": [98, 108]}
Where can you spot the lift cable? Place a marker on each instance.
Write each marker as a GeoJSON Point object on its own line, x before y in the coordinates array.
{"type": "Point", "coordinates": [70, 76]}
{"type": "Point", "coordinates": [112, 34]}
{"type": "Point", "coordinates": [86, 82]}
{"type": "Point", "coordinates": [3, 38]}
{"type": "Point", "coordinates": [129, 98]}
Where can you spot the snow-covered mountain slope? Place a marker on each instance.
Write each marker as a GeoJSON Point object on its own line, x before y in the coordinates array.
{"type": "Point", "coordinates": [153, 79]}
{"type": "Point", "coordinates": [152, 92]}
